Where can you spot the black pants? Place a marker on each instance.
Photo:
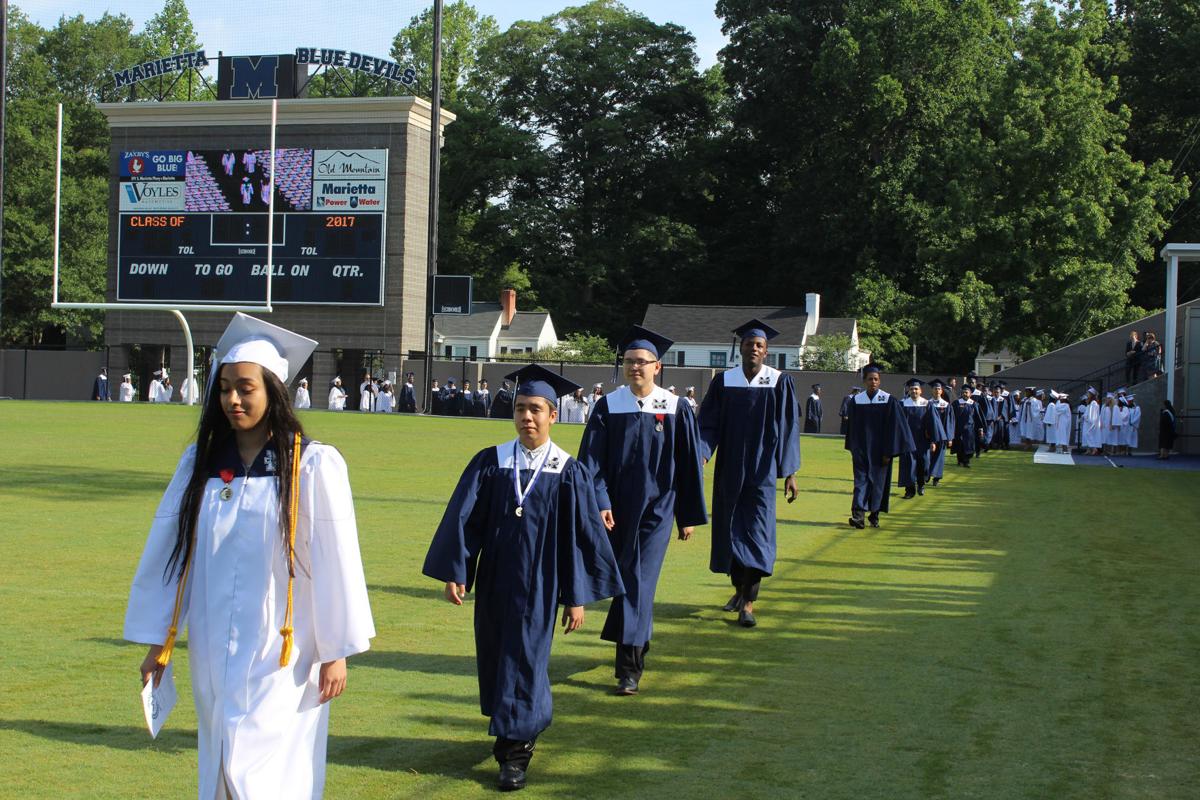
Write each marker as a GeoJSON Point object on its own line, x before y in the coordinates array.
{"type": "Point", "coordinates": [631, 660]}
{"type": "Point", "coordinates": [513, 751]}
{"type": "Point", "coordinates": [746, 580]}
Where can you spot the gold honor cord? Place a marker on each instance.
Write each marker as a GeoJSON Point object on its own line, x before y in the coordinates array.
{"type": "Point", "coordinates": [285, 654]}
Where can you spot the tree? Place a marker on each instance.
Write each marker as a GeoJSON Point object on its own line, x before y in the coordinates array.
{"type": "Point", "coordinates": [168, 32]}
{"type": "Point", "coordinates": [827, 353]}
{"type": "Point", "coordinates": [579, 348]}
{"type": "Point", "coordinates": [950, 171]}
{"type": "Point", "coordinates": [464, 33]}
{"type": "Point", "coordinates": [599, 208]}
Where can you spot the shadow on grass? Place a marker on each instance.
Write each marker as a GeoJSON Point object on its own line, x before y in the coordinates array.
{"type": "Point", "coordinates": [445, 757]}
{"type": "Point", "coordinates": [63, 482]}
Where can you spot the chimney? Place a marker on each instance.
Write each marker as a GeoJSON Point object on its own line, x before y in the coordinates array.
{"type": "Point", "coordinates": [812, 307]}
{"type": "Point", "coordinates": [508, 306]}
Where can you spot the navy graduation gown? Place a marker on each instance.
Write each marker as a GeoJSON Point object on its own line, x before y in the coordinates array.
{"type": "Point", "coordinates": [755, 427]}
{"type": "Point", "coordinates": [408, 399]}
{"type": "Point", "coordinates": [649, 477]}
{"type": "Point", "coordinates": [968, 419]}
{"type": "Point", "coordinates": [926, 429]}
{"type": "Point", "coordinates": [100, 388]}
{"type": "Point", "coordinates": [502, 406]}
{"type": "Point", "coordinates": [945, 415]}
{"type": "Point", "coordinates": [523, 568]}
{"type": "Point", "coordinates": [812, 414]}
{"type": "Point", "coordinates": [877, 431]}
{"type": "Point", "coordinates": [844, 413]}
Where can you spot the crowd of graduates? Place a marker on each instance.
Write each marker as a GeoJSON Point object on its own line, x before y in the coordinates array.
{"type": "Point", "coordinates": [535, 532]}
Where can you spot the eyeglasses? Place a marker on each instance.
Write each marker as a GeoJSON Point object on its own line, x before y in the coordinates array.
{"type": "Point", "coordinates": [638, 362]}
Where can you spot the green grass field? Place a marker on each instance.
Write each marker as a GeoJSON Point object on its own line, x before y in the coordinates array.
{"type": "Point", "coordinates": [1020, 632]}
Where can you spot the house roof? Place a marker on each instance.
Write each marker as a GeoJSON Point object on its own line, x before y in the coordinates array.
{"type": "Point", "coordinates": [835, 326]}
{"type": "Point", "coordinates": [524, 325]}
{"type": "Point", "coordinates": [714, 324]}
{"type": "Point", "coordinates": [479, 323]}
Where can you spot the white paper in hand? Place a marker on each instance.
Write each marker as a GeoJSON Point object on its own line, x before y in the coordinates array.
{"type": "Point", "coordinates": [157, 702]}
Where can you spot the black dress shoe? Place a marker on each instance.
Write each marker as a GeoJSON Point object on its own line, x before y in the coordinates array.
{"type": "Point", "coordinates": [874, 520]}
{"type": "Point", "coordinates": [626, 687]}
{"type": "Point", "coordinates": [921, 491]}
{"type": "Point", "coordinates": [512, 777]}
{"type": "Point", "coordinates": [910, 493]}
{"type": "Point", "coordinates": [746, 619]}
{"type": "Point", "coordinates": [856, 522]}
{"type": "Point", "coordinates": [936, 481]}
{"type": "Point", "coordinates": [734, 603]}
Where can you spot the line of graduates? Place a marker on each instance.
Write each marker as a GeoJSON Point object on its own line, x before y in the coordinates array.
{"type": "Point", "coordinates": [530, 528]}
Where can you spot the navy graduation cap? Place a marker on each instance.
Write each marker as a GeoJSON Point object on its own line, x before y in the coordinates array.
{"type": "Point", "coordinates": [537, 381]}
{"type": "Point", "coordinates": [755, 327]}
{"type": "Point", "coordinates": [869, 368]}
{"type": "Point", "coordinates": [911, 382]}
{"type": "Point", "coordinates": [640, 338]}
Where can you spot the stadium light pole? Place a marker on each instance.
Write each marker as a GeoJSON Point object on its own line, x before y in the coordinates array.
{"type": "Point", "coordinates": [435, 119]}
{"type": "Point", "coordinates": [3, 111]}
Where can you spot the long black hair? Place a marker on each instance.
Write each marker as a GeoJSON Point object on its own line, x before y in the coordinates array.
{"type": "Point", "coordinates": [212, 436]}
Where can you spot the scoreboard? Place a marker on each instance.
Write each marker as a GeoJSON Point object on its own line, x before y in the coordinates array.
{"type": "Point", "coordinates": [192, 227]}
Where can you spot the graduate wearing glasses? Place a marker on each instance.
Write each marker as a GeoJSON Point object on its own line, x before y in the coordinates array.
{"type": "Point", "coordinates": [750, 419]}
{"type": "Point", "coordinates": [642, 446]}
{"type": "Point", "coordinates": [255, 548]}
{"type": "Point", "coordinates": [524, 530]}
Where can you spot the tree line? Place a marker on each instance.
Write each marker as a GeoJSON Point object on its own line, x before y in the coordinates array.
{"type": "Point", "coordinates": [956, 174]}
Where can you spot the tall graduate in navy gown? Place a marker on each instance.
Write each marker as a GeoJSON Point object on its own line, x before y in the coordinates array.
{"type": "Point", "coordinates": [945, 414]}
{"type": "Point", "coordinates": [968, 426]}
{"type": "Point", "coordinates": [927, 434]}
{"type": "Point", "coordinates": [100, 386]}
{"type": "Point", "coordinates": [750, 414]}
{"type": "Point", "coordinates": [876, 434]}
{"type": "Point", "coordinates": [642, 446]}
{"type": "Point", "coordinates": [812, 410]}
{"type": "Point", "coordinates": [524, 529]}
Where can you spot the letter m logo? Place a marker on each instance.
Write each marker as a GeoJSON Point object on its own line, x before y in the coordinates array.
{"type": "Point", "coordinates": [254, 77]}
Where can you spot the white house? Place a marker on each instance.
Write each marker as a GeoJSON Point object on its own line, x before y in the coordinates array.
{"type": "Point", "coordinates": [704, 334]}
{"type": "Point", "coordinates": [492, 330]}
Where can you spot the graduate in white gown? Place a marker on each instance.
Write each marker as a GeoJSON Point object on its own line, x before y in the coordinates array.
{"type": "Point", "coordinates": [1093, 438]}
{"type": "Point", "coordinates": [1135, 420]}
{"type": "Point", "coordinates": [254, 548]}
{"type": "Point", "coordinates": [125, 390]}
{"type": "Point", "coordinates": [1049, 415]}
{"type": "Point", "coordinates": [303, 399]}
{"type": "Point", "coordinates": [1063, 420]}
{"type": "Point", "coordinates": [155, 386]}
{"type": "Point", "coordinates": [189, 393]}
{"type": "Point", "coordinates": [1110, 428]}
{"type": "Point", "coordinates": [386, 399]}
{"type": "Point", "coordinates": [1121, 423]}
{"type": "Point", "coordinates": [337, 396]}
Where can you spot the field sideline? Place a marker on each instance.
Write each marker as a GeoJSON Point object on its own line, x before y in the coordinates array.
{"type": "Point", "coordinates": [1021, 632]}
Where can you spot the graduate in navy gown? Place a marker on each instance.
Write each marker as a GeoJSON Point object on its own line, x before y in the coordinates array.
{"type": "Point", "coordinates": [642, 446]}
{"type": "Point", "coordinates": [877, 433]}
{"type": "Point", "coordinates": [751, 415]}
{"type": "Point", "coordinates": [524, 530]}
{"type": "Point", "coordinates": [812, 410]}
{"type": "Point", "coordinates": [100, 386]}
{"type": "Point", "coordinates": [407, 402]}
{"type": "Point", "coordinates": [844, 411]}
{"type": "Point", "coordinates": [968, 426]}
{"type": "Point", "coordinates": [927, 434]}
{"type": "Point", "coordinates": [502, 406]}
{"type": "Point", "coordinates": [945, 414]}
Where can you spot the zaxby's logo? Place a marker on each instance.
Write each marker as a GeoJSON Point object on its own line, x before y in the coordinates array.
{"type": "Point", "coordinates": [151, 196]}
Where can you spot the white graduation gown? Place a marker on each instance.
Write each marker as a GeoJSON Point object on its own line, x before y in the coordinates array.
{"type": "Point", "coordinates": [383, 403]}
{"type": "Point", "coordinates": [152, 392]}
{"type": "Point", "coordinates": [337, 399]}
{"type": "Point", "coordinates": [260, 726]}
{"type": "Point", "coordinates": [1063, 418]}
{"type": "Point", "coordinates": [303, 400]}
{"type": "Point", "coordinates": [1093, 438]}
{"type": "Point", "coordinates": [126, 393]}
{"type": "Point", "coordinates": [1131, 428]}
{"type": "Point", "coordinates": [189, 392]}
{"type": "Point", "coordinates": [1110, 425]}
{"type": "Point", "coordinates": [366, 397]}
{"type": "Point", "coordinates": [1050, 435]}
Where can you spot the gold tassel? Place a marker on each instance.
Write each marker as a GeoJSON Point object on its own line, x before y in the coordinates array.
{"type": "Point", "coordinates": [285, 653]}
{"type": "Point", "coordinates": [164, 657]}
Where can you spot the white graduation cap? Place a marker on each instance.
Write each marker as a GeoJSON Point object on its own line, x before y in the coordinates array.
{"type": "Point", "coordinates": [1053, 395]}
{"type": "Point", "coordinates": [1110, 396]}
{"type": "Point", "coordinates": [251, 339]}
{"type": "Point", "coordinates": [160, 373]}
{"type": "Point", "coordinates": [127, 376]}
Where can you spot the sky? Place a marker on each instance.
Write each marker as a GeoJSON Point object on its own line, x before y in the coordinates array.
{"type": "Point", "coordinates": [280, 26]}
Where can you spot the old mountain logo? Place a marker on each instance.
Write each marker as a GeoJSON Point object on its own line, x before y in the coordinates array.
{"type": "Point", "coordinates": [350, 164]}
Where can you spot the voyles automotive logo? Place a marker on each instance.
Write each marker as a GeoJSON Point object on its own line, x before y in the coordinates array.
{"type": "Point", "coordinates": [351, 164]}
{"type": "Point", "coordinates": [140, 195]}
{"type": "Point", "coordinates": [145, 192]}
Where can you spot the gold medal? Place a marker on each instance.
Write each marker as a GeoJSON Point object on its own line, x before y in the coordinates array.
{"type": "Point", "coordinates": [520, 511]}
{"type": "Point", "coordinates": [226, 493]}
